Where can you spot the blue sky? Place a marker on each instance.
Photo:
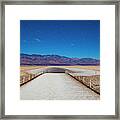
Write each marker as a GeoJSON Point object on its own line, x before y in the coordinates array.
{"type": "Point", "coordinates": [71, 38]}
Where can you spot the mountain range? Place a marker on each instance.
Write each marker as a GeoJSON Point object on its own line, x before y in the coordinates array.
{"type": "Point", "coordinates": [35, 59]}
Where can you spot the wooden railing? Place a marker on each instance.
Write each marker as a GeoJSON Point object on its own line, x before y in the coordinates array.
{"type": "Point", "coordinates": [28, 77]}
{"type": "Point", "coordinates": [91, 81]}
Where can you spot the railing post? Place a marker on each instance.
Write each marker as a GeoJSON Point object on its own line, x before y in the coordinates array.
{"type": "Point", "coordinates": [90, 83]}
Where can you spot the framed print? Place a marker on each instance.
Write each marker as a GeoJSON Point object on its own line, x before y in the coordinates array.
{"type": "Point", "coordinates": [60, 59]}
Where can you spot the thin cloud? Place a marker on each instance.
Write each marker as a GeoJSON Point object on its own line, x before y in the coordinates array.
{"type": "Point", "coordinates": [72, 44]}
{"type": "Point", "coordinates": [38, 40]}
{"type": "Point", "coordinates": [24, 40]}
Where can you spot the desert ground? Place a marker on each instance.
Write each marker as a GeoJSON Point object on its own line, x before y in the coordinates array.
{"type": "Point", "coordinates": [60, 82]}
{"type": "Point", "coordinates": [28, 68]}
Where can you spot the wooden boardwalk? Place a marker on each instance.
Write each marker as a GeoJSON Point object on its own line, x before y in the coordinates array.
{"type": "Point", "coordinates": [56, 86]}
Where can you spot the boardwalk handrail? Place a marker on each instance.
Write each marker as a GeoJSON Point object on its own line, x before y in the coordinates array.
{"type": "Point", "coordinates": [91, 81]}
{"type": "Point", "coordinates": [28, 77]}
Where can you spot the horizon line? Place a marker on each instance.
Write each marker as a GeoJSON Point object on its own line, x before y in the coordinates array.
{"type": "Point", "coordinates": [59, 55]}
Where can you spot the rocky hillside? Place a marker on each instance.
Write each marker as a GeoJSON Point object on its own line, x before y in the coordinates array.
{"type": "Point", "coordinates": [34, 59]}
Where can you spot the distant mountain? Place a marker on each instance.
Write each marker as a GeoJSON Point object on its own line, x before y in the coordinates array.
{"type": "Point", "coordinates": [34, 59]}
